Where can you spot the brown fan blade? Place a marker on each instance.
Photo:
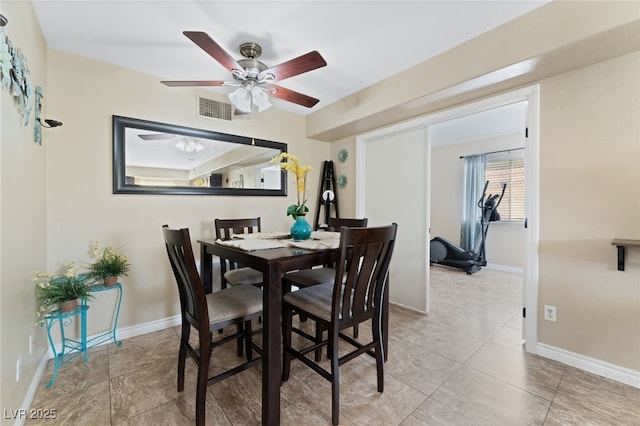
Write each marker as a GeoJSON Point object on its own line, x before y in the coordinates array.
{"type": "Point", "coordinates": [193, 83]}
{"type": "Point", "coordinates": [299, 65]}
{"type": "Point", "coordinates": [213, 49]}
{"type": "Point", "coordinates": [293, 96]}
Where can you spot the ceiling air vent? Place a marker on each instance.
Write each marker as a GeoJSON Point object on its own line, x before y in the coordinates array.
{"type": "Point", "coordinates": [214, 109]}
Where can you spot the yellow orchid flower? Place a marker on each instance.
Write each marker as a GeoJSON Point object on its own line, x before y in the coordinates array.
{"type": "Point", "coordinates": [292, 164]}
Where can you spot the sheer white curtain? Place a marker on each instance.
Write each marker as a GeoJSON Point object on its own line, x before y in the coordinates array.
{"type": "Point", "coordinates": [474, 166]}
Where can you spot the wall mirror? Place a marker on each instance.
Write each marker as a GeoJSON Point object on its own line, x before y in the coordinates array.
{"type": "Point", "coordinates": [159, 158]}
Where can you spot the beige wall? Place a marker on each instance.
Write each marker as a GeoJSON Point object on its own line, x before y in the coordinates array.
{"type": "Point", "coordinates": [505, 241]}
{"type": "Point", "coordinates": [23, 217]}
{"type": "Point", "coordinates": [589, 194]}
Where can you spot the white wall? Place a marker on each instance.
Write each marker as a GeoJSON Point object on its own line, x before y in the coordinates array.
{"type": "Point", "coordinates": [395, 185]}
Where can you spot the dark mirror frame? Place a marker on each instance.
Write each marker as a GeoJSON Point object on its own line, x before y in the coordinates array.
{"type": "Point", "coordinates": [121, 187]}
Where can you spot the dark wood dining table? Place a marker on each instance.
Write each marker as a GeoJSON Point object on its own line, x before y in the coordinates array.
{"type": "Point", "coordinates": [273, 263]}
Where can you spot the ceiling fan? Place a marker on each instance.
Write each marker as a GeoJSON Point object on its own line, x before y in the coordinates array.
{"type": "Point", "coordinates": [155, 136]}
{"type": "Point", "coordinates": [253, 78]}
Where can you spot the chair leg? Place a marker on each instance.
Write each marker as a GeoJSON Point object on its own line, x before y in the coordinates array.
{"type": "Point", "coordinates": [355, 331]}
{"type": "Point", "coordinates": [335, 377]}
{"type": "Point", "coordinates": [204, 358]}
{"type": "Point", "coordinates": [223, 285]}
{"type": "Point", "coordinates": [182, 354]}
{"type": "Point", "coordinates": [379, 351]}
{"type": "Point", "coordinates": [318, 352]}
{"type": "Point", "coordinates": [287, 325]}
{"type": "Point", "coordinates": [240, 339]}
{"type": "Point", "coordinates": [247, 340]}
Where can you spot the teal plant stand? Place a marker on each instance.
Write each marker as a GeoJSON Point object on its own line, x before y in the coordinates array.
{"type": "Point", "coordinates": [70, 348]}
{"type": "Point", "coordinates": [111, 333]}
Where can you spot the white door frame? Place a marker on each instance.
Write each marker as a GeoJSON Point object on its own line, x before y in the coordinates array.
{"type": "Point", "coordinates": [529, 94]}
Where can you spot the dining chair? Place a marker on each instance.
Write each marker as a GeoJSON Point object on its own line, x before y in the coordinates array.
{"type": "Point", "coordinates": [206, 313]}
{"type": "Point", "coordinates": [315, 276]}
{"type": "Point", "coordinates": [230, 272]}
{"type": "Point", "coordinates": [354, 296]}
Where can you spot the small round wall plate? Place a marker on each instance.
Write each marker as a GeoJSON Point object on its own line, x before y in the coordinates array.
{"type": "Point", "coordinates": [341, 181]}
{"type": "Point", "coordinates": [343, 154]}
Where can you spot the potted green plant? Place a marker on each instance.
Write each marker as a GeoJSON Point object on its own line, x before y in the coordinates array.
{"type": "Point", "coordinates": [61, 291]}
{"type": "Point", "coordinates": [108, 265]}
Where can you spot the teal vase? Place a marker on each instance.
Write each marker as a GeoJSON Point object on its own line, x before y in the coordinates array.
{"type": "Point", "coordinates": [301, 230]}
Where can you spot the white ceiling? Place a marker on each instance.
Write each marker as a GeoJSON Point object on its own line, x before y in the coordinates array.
{"type": "Point", "coordinates": [363, 42]}
{"type": "Point", "coordinates": [507, 119]}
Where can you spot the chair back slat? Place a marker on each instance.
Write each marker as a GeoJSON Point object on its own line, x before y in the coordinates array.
{"type": "Point", "coordinates": [226, 228]}
{"type": "Point", "coordinates": [190, 289]}
{"type": "Point", "coordinates": [335, 223]}
{"type": "Point", "coordinates": [365, 254]}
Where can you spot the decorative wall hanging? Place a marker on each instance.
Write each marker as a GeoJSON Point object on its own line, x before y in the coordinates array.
{"type": "Point", "coordinates": [5, 61]}
{"type": "Point", "coordinates": [37, 127]}
{"type": "Point", "coordinates": [342, 181]}
{"type": "Point", "coordinates": [15, 76]}
{"type": "Point", "coordinates": [343, 154]}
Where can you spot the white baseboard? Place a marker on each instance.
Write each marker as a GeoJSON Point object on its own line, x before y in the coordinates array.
{"type": "Point", "coordinates": [592, 365]}
{"type": "Point", "coordinates": [148, 327]}
{"type": "Point", "coordinates": [33, 387]}
{"type": "Point", "coordinates": [504, 268]}
{"type": "Point", "coordinates": [122, 333]}
{"type": "Point", "coordinates": [409, 308]}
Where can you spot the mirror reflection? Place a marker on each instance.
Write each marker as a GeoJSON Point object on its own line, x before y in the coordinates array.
{"type": "Point", "coordinates": [152, 157]}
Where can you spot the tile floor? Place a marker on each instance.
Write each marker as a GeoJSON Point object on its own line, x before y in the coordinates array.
{"type": "Point", "coordinates": [462, 364]}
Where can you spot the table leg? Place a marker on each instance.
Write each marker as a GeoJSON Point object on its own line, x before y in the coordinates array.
{"type": "Point", "coordinates": [83, 334]}
{"type": "Point", "coordinates": [272, 340]}
{"type": "Point", "coordinates": [206, 268]}
{"type": "Point", "coordinates": [115, 321]}
{"type": "Point", "coordinates": [56, 358]}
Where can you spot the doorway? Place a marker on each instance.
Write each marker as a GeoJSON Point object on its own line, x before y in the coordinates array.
{"type": "Point", "coordinates": [385, 140]}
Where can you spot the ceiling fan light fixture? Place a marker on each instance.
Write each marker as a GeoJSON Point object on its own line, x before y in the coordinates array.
{"type": "Point", "coordinates": [249, 72]}
{"type": "Point", "coordinates": [241, 99]}
{"type": "Point", "coordinates": [260, 99]}
{"type": "Point", "coordinates": [189, 145]}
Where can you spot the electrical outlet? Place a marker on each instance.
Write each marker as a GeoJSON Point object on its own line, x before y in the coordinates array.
{"type": "Point", "coordinates": [30, 345]}
{"type": "Point", "coordinates": [18, 368]}
{"type": "Point", "coordinates": [550, 313]}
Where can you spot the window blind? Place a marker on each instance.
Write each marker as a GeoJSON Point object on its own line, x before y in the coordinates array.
{"type": "Point", "coordinates": [511, 172]}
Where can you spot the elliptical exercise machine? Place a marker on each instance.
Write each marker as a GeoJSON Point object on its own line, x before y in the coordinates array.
{"type": "Point", "coordinates": [444, 252]}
